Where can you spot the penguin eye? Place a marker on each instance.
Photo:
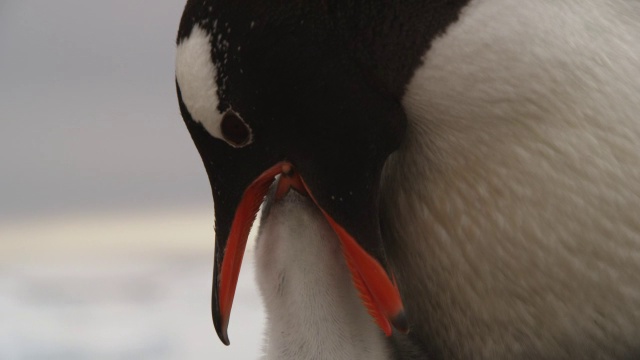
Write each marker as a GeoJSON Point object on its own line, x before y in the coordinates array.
{"type": "Point", "coordinates": [234, 130]}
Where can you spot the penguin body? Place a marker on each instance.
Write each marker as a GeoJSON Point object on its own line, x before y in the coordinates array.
{"type": "Point", "coordinates": [313, 310]}
{"type": "Point", "coordinates": [512, 206]}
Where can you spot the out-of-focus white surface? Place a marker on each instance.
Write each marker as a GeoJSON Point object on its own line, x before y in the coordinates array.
{"type": "Point", "coordinates": [119, 287]}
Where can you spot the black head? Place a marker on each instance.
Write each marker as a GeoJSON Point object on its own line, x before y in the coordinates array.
{"type": "Point", "coordinates": [313, 85]}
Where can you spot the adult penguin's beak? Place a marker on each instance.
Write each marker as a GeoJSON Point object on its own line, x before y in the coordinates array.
{"type": "Point", "coordinates": [349, 205]}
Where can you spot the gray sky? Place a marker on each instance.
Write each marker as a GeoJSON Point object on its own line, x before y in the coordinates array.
{"type": "Point", "coordinates": [88, 115]}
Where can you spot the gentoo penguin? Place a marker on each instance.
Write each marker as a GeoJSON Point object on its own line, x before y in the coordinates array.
{"type": "Point", "coordinates": [313, 308]}
{"type": "Point", "coordinates": [314, 311]}
{"type": "Point", "coordinates": [478, 162]}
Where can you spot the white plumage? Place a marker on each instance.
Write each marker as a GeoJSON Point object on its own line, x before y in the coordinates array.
{"type": "Point", "coordinates": [313, 310]}
{"type": "Point", "coordinates": [516, 197]}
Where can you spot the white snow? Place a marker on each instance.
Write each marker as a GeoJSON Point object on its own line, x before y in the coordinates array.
{"type": "Point", "coordinates": [119, 286]}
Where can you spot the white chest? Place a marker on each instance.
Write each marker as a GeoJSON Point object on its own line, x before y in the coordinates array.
{"type": "Point", "coordinates": [519, 186]}
{"type": "Point", "coordinates": [313, 310]}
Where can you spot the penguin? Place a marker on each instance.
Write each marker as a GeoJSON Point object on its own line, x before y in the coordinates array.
{"type": "Point", "coordinates": [313, 309]}
{"type": "Point", "coordinates": [475, 161]}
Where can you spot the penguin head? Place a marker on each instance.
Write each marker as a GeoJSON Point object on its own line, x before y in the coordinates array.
{"type": "Point", "coordinates": [268, 92]}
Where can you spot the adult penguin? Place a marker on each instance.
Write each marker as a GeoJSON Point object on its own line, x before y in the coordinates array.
{"type": "Point", "coordinates": [478, 161]}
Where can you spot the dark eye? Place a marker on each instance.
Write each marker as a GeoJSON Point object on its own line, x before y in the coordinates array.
{"type": "Point", "coordinates": [234, 129]}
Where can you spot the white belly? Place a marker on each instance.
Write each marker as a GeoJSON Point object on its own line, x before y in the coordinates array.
{"type": "Point", "coordinates": [519, 185]}
{"type": "Point", "coordinates": [313, 309]}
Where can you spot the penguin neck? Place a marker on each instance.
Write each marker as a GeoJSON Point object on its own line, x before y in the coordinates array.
{"type": "Point", "coordinates": [313, 309]}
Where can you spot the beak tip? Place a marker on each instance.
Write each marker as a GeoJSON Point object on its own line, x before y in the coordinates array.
{"type": "Point", "coordinates": [400, 322]}
{"type": "Point", "coordinates": [222, 334]}
{"type": "Point", "coordinates": [221, 328]}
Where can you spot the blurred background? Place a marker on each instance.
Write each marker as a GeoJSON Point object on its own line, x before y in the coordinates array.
{"type": "Point", "coordinates": [106, 217]}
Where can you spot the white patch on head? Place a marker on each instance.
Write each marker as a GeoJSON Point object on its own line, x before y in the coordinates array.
{"type": "Point", "coordinates": [196, 76]}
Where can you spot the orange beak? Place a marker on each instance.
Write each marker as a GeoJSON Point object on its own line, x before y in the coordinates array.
{"type": "Point", "coordinates": [377, 290]}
